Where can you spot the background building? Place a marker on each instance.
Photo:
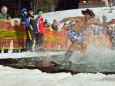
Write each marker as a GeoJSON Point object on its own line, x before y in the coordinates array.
{"type": "Point", "coordinates": [91, 3]}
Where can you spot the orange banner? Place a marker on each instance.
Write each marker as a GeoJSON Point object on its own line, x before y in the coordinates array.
{"type": "Point", "coordinates": [55, 40]}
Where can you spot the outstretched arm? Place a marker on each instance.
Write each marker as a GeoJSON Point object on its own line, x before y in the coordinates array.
{"type": "Point", "coordinates": [104, 23]}
{"type": "Point", "coordinates": [69, 19]}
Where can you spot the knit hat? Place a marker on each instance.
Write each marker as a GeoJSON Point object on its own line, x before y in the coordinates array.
{"type": "Point", "coordinates": [40, 12]}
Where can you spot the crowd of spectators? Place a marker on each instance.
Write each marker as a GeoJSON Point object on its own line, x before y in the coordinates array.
{"type": "Point", "coordinates": [35, 30]}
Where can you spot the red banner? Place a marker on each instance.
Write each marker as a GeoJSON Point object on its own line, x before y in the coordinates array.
{"type": "Point", "coordinates": [14, 36]}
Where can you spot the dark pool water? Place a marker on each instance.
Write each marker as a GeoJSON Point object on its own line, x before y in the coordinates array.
{"type": "Point", "coordinates": [52, 67]}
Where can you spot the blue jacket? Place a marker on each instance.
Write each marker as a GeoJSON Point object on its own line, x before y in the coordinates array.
{"type": "Point", "coordinates": [26, 20]}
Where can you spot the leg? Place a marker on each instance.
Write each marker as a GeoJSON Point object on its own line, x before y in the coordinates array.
{"type": "Point", "coordinates": [0, 51]}
{"type": "Point", "coordinates": [31, 46]}
{"type": "Point", "coordinates": [70, 50]}
{"type": "Point", "coordinates": [7, 45]}
{"type": "Point", "coordinates": [5, 50]}
{"type": "Point", "coordinates": [37, 38]}
{"type": "Point", "coordinates": [27, 45]}
{"type": "Point", "coordinates": [82, 50]}
{"type": "Point", "coordinates": [15, 51]}
{"type": "Point", "coordinates": [72, 46]}
{"type": "Point", "coordinates": [29, 40]}
{"type": "Point", "coordinates": [32, 41]}
{"type": "Point", "coordinates": [83, 47]}
{"type": "Point", "coordinates": [39, 41]}
{"type": "Point", "coordinates": [22, 50]}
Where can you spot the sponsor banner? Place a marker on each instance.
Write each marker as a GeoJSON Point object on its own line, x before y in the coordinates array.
{"type": "Point", "coordinates": [15, 34]}
{"type": "Point", "coordinates": [55, 40]}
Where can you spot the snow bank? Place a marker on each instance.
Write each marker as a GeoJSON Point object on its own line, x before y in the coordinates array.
{"type": "Point", "coordinates": [25, 77]}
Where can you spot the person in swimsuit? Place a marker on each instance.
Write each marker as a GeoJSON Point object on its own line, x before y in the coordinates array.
{"type": "Point", "coordinates": [75, 30]}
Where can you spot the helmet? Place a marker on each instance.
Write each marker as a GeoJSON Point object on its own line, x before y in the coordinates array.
{"type": "Point", "coordinates": [40, 12]}
{"type": "Point", "coordinates": [23, 9]}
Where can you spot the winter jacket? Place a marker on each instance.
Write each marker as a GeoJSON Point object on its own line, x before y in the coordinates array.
{"type": "Point", "coordinates": [25, 18]}
{"type": "Point", "coordinates": [40, 24]}
{"type": "Point", "coordinates": [33, 23]}
{"type": "Point", "coordinates": [4, 16]}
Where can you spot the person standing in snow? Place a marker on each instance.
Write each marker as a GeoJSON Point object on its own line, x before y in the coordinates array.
{"type": "Point", "coordinates": [54, 26]}
{"type": "Point", "coordinates": [4, 15]}
{"type": "Point", "coordinates": [40, 31]}
{"type": "Point", "coordinates": [33, 29]}
{"type": "Point", "coordinates": [26, 18]}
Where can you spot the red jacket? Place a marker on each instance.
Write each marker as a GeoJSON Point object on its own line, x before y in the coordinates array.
{"type": "Point", "coordinates": [40, 24]}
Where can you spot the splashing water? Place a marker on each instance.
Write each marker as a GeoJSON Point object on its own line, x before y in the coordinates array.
{"type": "Point", "coordinates": [99, 55]}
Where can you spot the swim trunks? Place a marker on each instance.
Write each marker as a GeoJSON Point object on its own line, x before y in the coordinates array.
{"type": "Point", "coordinates": [74, 35]}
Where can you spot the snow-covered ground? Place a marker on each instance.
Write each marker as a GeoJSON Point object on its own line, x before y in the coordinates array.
{"type": "Point", "coordinates": [25, 77]}
{"type": "Point", "coordinates": [99, 12]}
{"type": "Point", "coordinates": [29, 54]}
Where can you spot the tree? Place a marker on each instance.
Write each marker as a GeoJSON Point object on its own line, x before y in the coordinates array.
{"type": "Point", "coordinates": [45, 5]}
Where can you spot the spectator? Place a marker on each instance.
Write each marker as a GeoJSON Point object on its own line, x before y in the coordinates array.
{"type": "Point", "coordinates": [25, 18]}
{"type": "Point", "coordinates": [113, 40]}
{"type": "Point", "coordinates": [110, 5]}
{"type": "Point", "coordinates": [46, 24]}
{"type": "Point", "coordinates": [111, 34]}
{"type": "Point", "coordinates": [40, 31]}
{"type": "Point", "coordinates": [33, 29]}
{"type": "Point", "coordinates": [54, 26]}
{"type": "Point", "coordinates": [105, 2]}
{"type": "Point", "coordinates": [114, 2]}
{"type": "Point", "coordinates": [4, 15]}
